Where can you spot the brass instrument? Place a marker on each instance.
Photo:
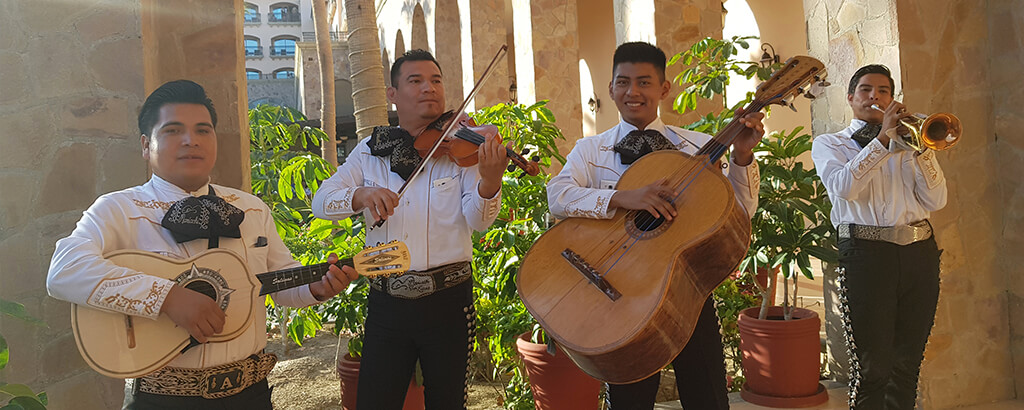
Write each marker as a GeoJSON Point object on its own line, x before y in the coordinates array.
{"type": "Point", "coordinates": [939, 131]}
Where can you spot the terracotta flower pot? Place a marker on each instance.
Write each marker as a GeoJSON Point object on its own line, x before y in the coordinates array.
{"type": "Point", "coordinates": [556, 382]}
{"type": "Point", "coordinates": [348, 370]}
{"type": "Point", "coordinates": [781, 358]}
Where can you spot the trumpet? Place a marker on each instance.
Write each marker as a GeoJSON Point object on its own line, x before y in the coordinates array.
{"type": "Point", "coordinates": [939, 131]}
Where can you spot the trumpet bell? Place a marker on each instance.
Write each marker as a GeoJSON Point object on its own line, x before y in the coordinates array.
{"type": "Point", "coordinates": [940, 131]}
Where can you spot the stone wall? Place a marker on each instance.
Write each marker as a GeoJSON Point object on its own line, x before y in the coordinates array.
{"type": "Point", "coordinates": [274, 91]}
{"type": "Point", "coordinates": [72, 85]}
{"type": "Point", "coordinates": [950, 56]}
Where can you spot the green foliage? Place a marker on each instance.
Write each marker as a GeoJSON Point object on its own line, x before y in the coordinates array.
{"type": "Point", "coordinates": [731, 297]}
{"type": "Point", "coordinates": [286, 176]}
{"type": "Point", "coordinates": [18, 396]}
{"type": "Point", "coordinates": [709, 63]}
{"type": "Point", "coordinates": [501, 315]}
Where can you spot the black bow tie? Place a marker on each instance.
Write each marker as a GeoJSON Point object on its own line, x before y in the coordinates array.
{"type": "Point", "coordinates": [207, 216]}
{"type": "Point", "coordinates": [865, 134]}
{"type": "Point", "coordinates": [397, 144]}
{"type": "Point", "coordinates": [639, 143]}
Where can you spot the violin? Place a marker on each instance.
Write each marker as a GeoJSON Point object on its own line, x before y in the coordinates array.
{"type": "Point", "coordinates": [463, 148]}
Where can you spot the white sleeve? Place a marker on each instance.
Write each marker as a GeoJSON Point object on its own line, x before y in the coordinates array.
{"type": "Point", "coordinates": [479, 212]}
{"type": "Point", "coordinates": [571, 192]}
{"type": "Point", "coordinates": [333, 201]}
{"type": "Point", "coordinates": [847, 179]}
{"type": "Point", "coordinates": [746, 184]}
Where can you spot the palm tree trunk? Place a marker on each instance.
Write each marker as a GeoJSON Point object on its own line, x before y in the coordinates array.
{"type": "Point", "coordinates": [369, 101]}
{"type": "Point", "coordinates": [329, 149]}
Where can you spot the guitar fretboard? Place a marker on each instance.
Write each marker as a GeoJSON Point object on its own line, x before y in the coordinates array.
{"type": "Point", "coordinates": [277, 281]}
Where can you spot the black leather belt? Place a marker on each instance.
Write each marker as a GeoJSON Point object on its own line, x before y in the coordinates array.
{"type": "Point", "coordinates": [416, 284]}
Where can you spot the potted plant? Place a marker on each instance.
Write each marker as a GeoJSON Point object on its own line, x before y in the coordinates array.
{"type": "Point", "coordinates": [780, 344]}
{"type": "Point", "coordinates": [789, 226]}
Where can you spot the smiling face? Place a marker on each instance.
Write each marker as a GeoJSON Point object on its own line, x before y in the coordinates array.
{"type": "Point", "coordinates": [870, 89]}
{"type": "Point", "coordinates": [182, 146]}
{"type": "Point", "coordinates": [418, 94]}
{"type": "Point", "coordinates": [637, 89]}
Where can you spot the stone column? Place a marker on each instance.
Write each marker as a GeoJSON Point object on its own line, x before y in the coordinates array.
{"type": "Point", "coordinates": [200, 40]}
{"type": "Point", "coordinates": [678, 24]}
{"type": "Point", "coordinates": [555, 63]}
{"type": "Point", "coordinates": [448, 48]}
{"type": "Point", "coordinates": [488, 31]}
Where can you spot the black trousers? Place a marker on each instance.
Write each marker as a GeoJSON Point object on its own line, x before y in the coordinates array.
{"type": "Point", "coordinates": [255, 397]}
{"type": "Point", "coordinates": [437, 330]}
{"type": "Point", "coordinates": [700, 372]}
{"type": "Point", "coordinates": [891, 292]}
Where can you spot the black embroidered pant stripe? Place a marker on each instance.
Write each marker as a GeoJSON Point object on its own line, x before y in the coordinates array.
{"type": "Point", "coordinates": [699, 368]}
{"type": "Point", "coordinates": [255, 397]}
{"type": "Point", "coordinates": [436, 329]}
{"type": "Point", "coordinates": [890, 293]}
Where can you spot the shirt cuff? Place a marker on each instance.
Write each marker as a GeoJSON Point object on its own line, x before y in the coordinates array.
{"type": "Point", "coordinates": [930, 168]}
{"type": "Point", "coordinates": [338, 203]}
{"type": "Point", "coordinates": [491, 206]}
{"type": "Point", "coordinates": [306, 297]}
{"type": "Point", "coordinates": [135, 295]}
{"type": "Point", "coordinates": [869, 158]}
{"type": "Point", "coordinates": [746, 175]}
{"type": "Point", "coordinates": [593, 205]}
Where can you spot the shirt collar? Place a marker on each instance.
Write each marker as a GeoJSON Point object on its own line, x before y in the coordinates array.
{"type": "Point", "coordinates": [163, 185]}
{"type": "Point", "coordinates": [656, 125]}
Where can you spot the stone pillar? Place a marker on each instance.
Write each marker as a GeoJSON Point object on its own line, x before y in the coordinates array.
{"type": "Point", "coordinates": [678, 24]}
{"type": "Point", "coordinates": [200, 40]}
{"type": "Point", "coordinates": [72, 85]}
{"type": "Point", "coordinates": [554, 61]}
{"type": "Point", "coordinates": [488, 31]}
{"type": "Point", "coordinates": [448, 48]}
{"type": "Point", "coordinates": [418, 37]}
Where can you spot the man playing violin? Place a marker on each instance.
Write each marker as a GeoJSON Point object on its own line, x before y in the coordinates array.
{"type": "Point", "coordinates": [427, 314]}
{"type": "Point", "coordinates": [586, 188]}
{"type": "Point", "coordinates": [882, 193]}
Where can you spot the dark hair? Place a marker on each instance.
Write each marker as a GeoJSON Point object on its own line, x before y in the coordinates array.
{"type": "Point", "coordinates": [411, 55]}
{"type": "Point", "coordinates": [640, 52]}
{"type": "Point", "coordinates": [174, 92]}
{"type": "Point", "coordinates": [871, 69]}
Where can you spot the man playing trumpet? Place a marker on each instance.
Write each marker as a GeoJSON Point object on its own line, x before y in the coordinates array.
{"type": "Point", "coordinates": [882, 192]}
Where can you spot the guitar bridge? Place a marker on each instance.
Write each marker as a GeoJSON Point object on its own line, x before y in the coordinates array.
{"type": "Point", "coordinates": [591, 274]}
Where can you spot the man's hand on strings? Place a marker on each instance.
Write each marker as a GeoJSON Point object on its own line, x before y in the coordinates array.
{"type": "Point", "coordinates": [380, 201]}
{"type": "Point", "coordinates": [334, 281]}
{"type": "Point", "coordinates": [743, 145]}
{"type": "Point", "coordinates": [493, 161]}
{"type": "Point", "coordinates": [653, 198]}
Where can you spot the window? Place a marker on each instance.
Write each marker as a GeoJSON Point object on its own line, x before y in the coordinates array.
{"type": "Point", "coordinates": [252, 47]}
{"type": "Point", "coordinates": [252, 13]}
{"type": "Point", "coordinates": [284, 73]}
{"type": "Point", "coordinates": [284, 13]}
{"type": "Point", "coordinates": [251, 74]}
{"type": "Point", "coordinates": [283, 46]}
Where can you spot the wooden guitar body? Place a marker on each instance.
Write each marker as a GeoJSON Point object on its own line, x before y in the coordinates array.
{"type": "Point", "coordinates": [113, 349]}
{"type": "Point", "coordinates": [664, 277]}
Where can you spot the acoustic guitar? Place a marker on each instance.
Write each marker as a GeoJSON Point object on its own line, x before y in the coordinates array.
{"type": "Point", "coordinates": [621, 296]}
{"type": "Point", "coordinates": [122, 346]}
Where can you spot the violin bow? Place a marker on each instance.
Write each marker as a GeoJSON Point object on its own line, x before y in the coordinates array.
{"type": "Point", "coordinates": [451, 125]}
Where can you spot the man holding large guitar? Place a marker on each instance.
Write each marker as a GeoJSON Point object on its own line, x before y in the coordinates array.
{"type": "Point", "coordinates": [179, 214]}
{"type": "Point", "coordinates": [427, 314]}
{"type": "Point", "coordinates": [585, 188]}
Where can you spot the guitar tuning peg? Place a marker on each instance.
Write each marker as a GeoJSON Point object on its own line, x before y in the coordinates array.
{"type": "Point", "coordinates": [799, 90]}
{"type": "Point", "coordinates": [825, 83]}
{"type": "Point", "coordinates": [810, 96]}
{"type": "Point", "coordinates": [792, 107]}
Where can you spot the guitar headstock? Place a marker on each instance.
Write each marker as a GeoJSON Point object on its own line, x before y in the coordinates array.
{"type": "Point", "coordinates": [391, 258]}
{"type": "Point", "coordinates": [796, 77]}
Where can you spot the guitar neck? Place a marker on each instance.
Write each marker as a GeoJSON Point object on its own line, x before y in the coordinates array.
{"type": "Point", "coordinates": [277, 281]}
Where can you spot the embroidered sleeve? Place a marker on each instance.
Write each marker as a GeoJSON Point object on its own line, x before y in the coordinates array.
{"type": "Point", "coordinates": [868, 159]}
{"type": "Point", "coordinates": [930, 169]}
{"type": "Point", "coordinates": [574, 192]}
{"type": "Point", "coordinates": [746, 183]}
{"type": "Point", "coordinates": [137, 295]}
{"type": "Point", "coordinates": [333, 200]}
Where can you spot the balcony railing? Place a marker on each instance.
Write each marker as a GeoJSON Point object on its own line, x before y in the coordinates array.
{"type": "Point", "coordinates": [311, 36]}
{"type": "Point", "coordinates": [285, 17]}
{"type": "Point", "coordinates": [282, 51]}
{"type": "Point", "coordinates": [252, 18]}
{"type": "Point", "coordinates": [254, 51]}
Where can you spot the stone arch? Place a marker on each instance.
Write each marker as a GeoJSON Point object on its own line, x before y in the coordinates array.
{"type": "Point", "coordinates": [597, 46]}
{"type": "Point", "coordinates": [418, 37]}
{"type": "Point", "coordinates": [448, 48]}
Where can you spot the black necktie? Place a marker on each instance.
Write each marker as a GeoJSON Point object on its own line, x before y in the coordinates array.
{"type": "Point", "coordinates": [639, 143]}
{"type": "Point", "coordinates": [865, 134]}
{"type": "Point", "coordinates": [207, 216]}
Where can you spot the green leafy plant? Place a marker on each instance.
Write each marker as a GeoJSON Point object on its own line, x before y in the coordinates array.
{"type": "Point", "coordinates": [501, 315]}
{"type": "Point", "coordinates": [17, 396]}
{"type": "Point", "coordinates": [285, 175]}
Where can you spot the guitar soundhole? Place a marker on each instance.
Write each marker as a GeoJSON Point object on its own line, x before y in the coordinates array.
{"type": "Point", "coordinates": [203, 287]}
{"type": "Point", "coordinates": [646, 222]}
